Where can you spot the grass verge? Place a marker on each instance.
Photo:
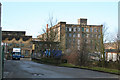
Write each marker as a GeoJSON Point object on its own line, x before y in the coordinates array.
{"type": "Point", "coordinates": [101, 69]}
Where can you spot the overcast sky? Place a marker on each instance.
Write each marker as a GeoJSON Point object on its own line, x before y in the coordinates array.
{"type": "Point", "coordinates": [32, 16]}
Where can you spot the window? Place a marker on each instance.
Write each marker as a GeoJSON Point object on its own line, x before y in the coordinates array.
{"type": "Point", "coordinates": [74, 29]}
{"type": "Point", "coordinates": [22, 44]}
{"type": "Point", "coordinates": [98, 29]}
{"type": "Point", "coordinates": [8, 34]}
{"type": "Point", "coordinates": [95, 35]}
{"type": "Point", "coordinates": [91, 41]}
{"type": "Point", "coordinates": [73, 41]}
{"type": "Point", "coordinates": [85, 40]}
{"type": "Point", "coordinates": [95, 47]}
{"type": "Point", "coordinates": [91, 29]}
{"type": "Point", "coordinates": [10, 44]}
{"type": "Point", "coordinates": [90, 35]}
{"type": "Point", "coordinates": [82, 28]}
{"type": "Point", "coordinates": [87, 29]}
{"type": "Point", "coordinates": [69, 41]}
{"type": "Point", "coordinates": [48, 32]}
{"type": "Point", "coordinates": [78, 28]}
{"type": "Point", "coordinates": [78, 47]}
{"type": "Point", "coordinates": [26, 52]}
{"type": "Point", "coordinates": [67, 29]}
{"type": "Point", "coordinates": [83, 35]}
{"type": "Point", "coordinates": [17, 44]}
{"type": "Point", "coordinates": [40, 44]}
{"type": "Point", "coordinates": [87, 35]}
{"type": "Point", "coordinates": [70, 34]}
{"type": "Point", "coordinates": [66, 34]}
{"type": "Point", "coordinates": [78, 42]}
{"type": "Point", "coordinates": [74, 34]}
{"type": "Point", "coordinates": [78, 35]}
{"type": "Point", "coordinates": [99, 36]}
{"type": "Point", "coordinates": [70, 29]}
{"type": "Point", "coordinates": [53, 29]}
{"type": "Point", "coordinates": [95, 30]}
{"type": "Point", "coordinates": [99, 42]}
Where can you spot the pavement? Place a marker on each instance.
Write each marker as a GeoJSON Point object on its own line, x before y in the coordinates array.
{"type": "Point", "coordinates": [29, 69]}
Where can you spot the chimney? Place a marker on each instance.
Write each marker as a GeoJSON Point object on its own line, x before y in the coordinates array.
{"type": "Point", "coordinates": [47, 28]}
{"type": "Point", "coordinates": [47, 31]}
{"type": "Point", "coordinates": [82, 21]}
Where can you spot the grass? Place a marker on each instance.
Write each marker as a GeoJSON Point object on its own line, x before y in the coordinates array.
{"type": "Point", "coordinates": [114, 71]}
{"type": "Point", "coordinates": [105, 70]}
{"type": "Point", "coordinates": [102, 69]}
{"type": "Point", "coordinates": [66, 65]}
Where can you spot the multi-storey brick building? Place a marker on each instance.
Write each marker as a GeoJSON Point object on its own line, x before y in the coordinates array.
{"type": "Point", "coordinates": [17, 39]}
{"type": "Point", "coordinates": [70, 35]}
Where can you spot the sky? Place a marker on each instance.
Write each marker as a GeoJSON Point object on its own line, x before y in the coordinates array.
{"type": "Point", "coordinates": [32, 16]}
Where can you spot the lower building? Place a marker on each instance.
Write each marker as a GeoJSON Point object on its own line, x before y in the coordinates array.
{"type": "Point", "coordinates": [112, 52]}
{"type": "Point", "coordinates": [43, 45]}
{"type": "Point", "coordinates": [41, 48]}
{"type": "Point", "coordinates": [16, 39]}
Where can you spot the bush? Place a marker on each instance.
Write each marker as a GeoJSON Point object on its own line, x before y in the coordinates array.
{"type": "Point", "coordinates": [110, 64]}
{"type": "Point", "coordinates": [50, 61]}
{"type": "Point", "coordinates": [64, 60]}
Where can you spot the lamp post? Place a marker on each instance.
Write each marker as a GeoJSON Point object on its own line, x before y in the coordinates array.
{"type": "Point", "coordinates": [1, 65]}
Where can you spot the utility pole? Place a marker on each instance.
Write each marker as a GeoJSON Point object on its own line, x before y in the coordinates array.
{"type": "Point", "coordinates": [1, 65]}
{"type": "Point", "coordinates": [119, 30]}
{"type": "Point", "coordinates": [118, 21]}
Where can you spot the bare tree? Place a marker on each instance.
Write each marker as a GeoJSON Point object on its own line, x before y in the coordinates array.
{"type": "Point", "coordinates": [103, 39]}
{"type": "Point", "coordinates": [71, 53]}
{"type": "Point", "coordinates": [83, 52]}
{"type": "Point", "coordinates": [117, 46]}
{"type": "Point", "coordinates": [50, 34]}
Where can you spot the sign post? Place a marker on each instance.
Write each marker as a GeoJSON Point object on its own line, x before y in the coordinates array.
{"type": "Point", "coordinates": [1, 65]}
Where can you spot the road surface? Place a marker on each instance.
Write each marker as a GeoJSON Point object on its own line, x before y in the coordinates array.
{"type": "Point", "coordinates": [30, 69]}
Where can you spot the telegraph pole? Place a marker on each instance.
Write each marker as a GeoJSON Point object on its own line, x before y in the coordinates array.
{"type": "Point", "coordinates": [119, 32]}
{"type": "Point", "coordinates": [119, 20]}
{"type": "Point", "coordinates": [1, 65]}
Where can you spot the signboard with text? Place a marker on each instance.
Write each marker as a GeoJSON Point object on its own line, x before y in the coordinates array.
{"type": "Point", "coordinates": [16, 49]}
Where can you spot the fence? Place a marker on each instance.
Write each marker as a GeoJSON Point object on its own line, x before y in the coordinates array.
{"type": "Point", "coordinates": [47, 53]}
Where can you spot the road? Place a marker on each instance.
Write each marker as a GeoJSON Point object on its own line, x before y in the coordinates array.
{"type": "Point", "coordinates": [30, 69]}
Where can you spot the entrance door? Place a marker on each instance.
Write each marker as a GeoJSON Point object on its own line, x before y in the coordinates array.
{"type": "Point", "coordinates": [26, 53]}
